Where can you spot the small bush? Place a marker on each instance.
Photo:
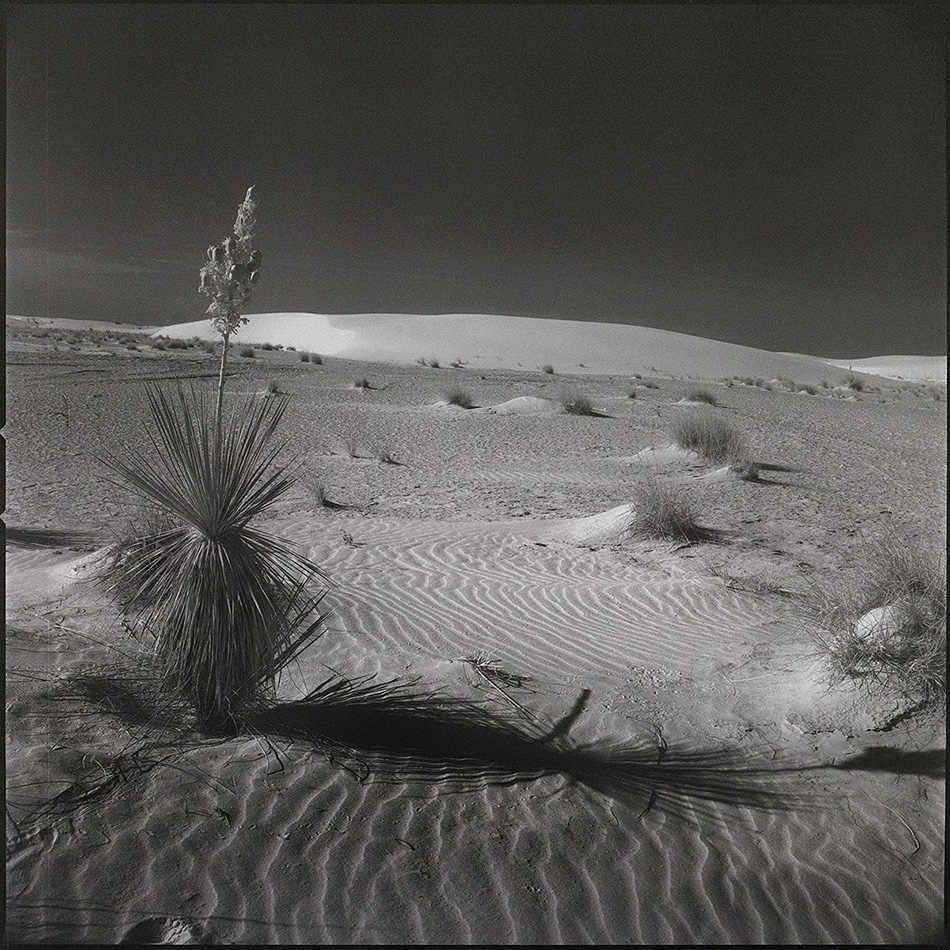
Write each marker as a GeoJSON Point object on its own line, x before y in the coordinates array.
{"type": "Point", "coordinates": [548, 368]}
{"type": "Point", "coordinates": [885, 624]}
{"type": "Point", "coordinates": [702, 395]}
{"type": "Point", "coordinates": [434, 363]}
{"type": "Point", "coordinates": [304, 357]}
{"type": "Point", "coordinates": [854, 383]}
{"type": "Point", "coordinates": [384, 455]}
{"type": "Point", "coordinates": [206, 345]}
{"type": "Point", "coordinates": [247, 351]}
{"type": "Point", "coordinates": [577, 404]}
{"type": "Point", "coordinates": [632, 394]}
{"type": "Point", "coordinates": [291, 349]}
{"type": "Point", "coordinates": [272, 388]}
{"type": "Point", "coordinates": [362, 383]}
{"type": "Point", "coordinates": [457, 396]}
{"type": "Point", "coordinates": [316, 358]}
{"type": "Point", "coordinates": [712, 438]}
{"type": "Point", "coordinates": [664, 511]}
{"type": "Point", "coordinates": [176, 344]}
{"type": "Point", "coordinates": [650, 384]}
{"type": "Point", "coordinates": [159, 345]}
{"type": "Point", "coordinates": [268, 346]}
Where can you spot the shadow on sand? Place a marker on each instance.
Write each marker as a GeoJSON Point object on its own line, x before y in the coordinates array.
{"type": "Point", "coordinates": [389, 733]}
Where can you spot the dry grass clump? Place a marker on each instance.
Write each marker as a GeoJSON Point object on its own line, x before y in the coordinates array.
{"type": "Point", "coordinates": [247, 351]}
{"type": "Point", "coordinates": [304, 356]}
{"type": "Point", "coordinates": [702, 395]}
{"type": "Point", "coordinates": [362, 383]}
{"type": "Point", "coordinates": [548, 368]}
{"type": "Point", "coordinates": [666, 512]}
{"type": "Point", "coordinates": [577, 404]}
{"type": "Point", "coordinates": [714, 439]}
{"type": "Point", "coordinates": [886, 627]}
{"type": "Point", "coordinates": [854, 383]}
{"type": "Point", "coordinates": [459, 396]}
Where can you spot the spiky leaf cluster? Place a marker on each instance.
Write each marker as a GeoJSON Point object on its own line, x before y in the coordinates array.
{"type": "Point", "coordinates": [232, 271]}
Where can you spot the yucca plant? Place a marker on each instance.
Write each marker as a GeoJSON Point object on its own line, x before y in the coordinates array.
{"type": "Point", "coordinates": [228, 605]}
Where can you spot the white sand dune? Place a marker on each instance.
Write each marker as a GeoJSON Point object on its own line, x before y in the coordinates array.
{"type": "Point", "coordinates": [917, 368]}
{"type": "Point", "coordinates": [489, 340]}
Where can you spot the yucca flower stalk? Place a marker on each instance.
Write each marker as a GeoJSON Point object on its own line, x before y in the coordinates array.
{"type": "Point", "coordinates": [228, 277]}
{"type": "Point", "coordinates": [228, 605]}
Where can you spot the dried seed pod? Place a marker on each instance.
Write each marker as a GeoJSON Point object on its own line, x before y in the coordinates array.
{"type": "Point", "coordinates": [255, 276]}
{"type": "Point", "coordinates": [255, 258]}
{"type": "Point", "coordinates": [211, 253]}
{"type": "Point", "coordinates": [218, 254]}
{"type": "Point", "coordinates": [230, 246]}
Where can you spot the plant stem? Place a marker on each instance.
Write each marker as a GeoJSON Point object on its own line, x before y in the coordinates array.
{"type": "Point", "coordinates": [224, 365]}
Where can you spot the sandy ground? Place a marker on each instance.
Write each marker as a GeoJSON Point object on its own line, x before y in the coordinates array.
{"type": "Point", "coordinates": [659, 757]}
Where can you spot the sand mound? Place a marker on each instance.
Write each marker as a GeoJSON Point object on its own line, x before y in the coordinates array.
{"type": "Point", "coordinates": [525, 406]}
{"type": "Point", "coordinates": [603, 528]}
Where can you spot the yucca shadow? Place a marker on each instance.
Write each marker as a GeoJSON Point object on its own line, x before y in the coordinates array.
{"type": "Point", "coordinates": [51, 538]}
{"type": "Point", "coordinates": [390, 733]}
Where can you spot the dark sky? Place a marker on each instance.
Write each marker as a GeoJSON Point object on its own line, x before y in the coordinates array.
{"type": "Point", "coordinates": [767, 175]}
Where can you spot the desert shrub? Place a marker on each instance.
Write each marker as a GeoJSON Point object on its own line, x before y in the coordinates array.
{"type": "Point", "coordinates": [711, 437]}
{"type": "Point", "coordinates": [176, 344]}
{"type": "Point", "coordinates": [577, 404]}
{"type": "Point", "coordinates": [385, 455]}
{"type": "Point", "coordinates": [228, 606]}
{"type": "Point", "coordinates": [131, 345]}
{"type": "Point", "coordinates": [548, 368]}
{"type": "Point", "coordinates": [159, 345]}
{"type": "Point", "coordinates": [664, 511]}
{"type": "Point", "coordinates": [702, 395]}
{"type": "Point", "coordinates": [247, 351]}
{"type": "Point", "coordinates": [206, 345]}
{"type": "Point", "coordinates": [291, 349]}
{"type": "Point", "coordinates": [268, 346]}
{"type": "Point", "coordinates": [316, 358]}
{"type": "Point", "coordinates": [304, 356]}
{"type": "Point", "coordinates": [632, 394]}
{"type": "Point", "coordinates": [362, 383]}
{"type": "Point", "coordinates": [272, 388]}
{"type": "Point", "coordinates": [434, 363]}
{"type": "Point", "coordinates": [806, 388]}
{"type": "Point", "coordinates": [855, 383]}
{"type": "Point", "coordinates": [458, 396]}
{"type": "Point", "coordinates": [884, 624]}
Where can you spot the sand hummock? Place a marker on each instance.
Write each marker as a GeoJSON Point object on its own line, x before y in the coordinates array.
{"type": "Point", "coordinates": [556, 730]}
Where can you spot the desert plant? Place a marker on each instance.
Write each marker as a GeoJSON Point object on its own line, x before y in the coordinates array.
{"type": "Point", "coordinates": [548, 368]}
{"type": "Point", "coordinates": [362, 383]}
{"type": "Point", "coordinates": [702, 395]}
{"type": "Point", "coordinates": [316, 358]}
{"type": "Point", "coordinates": [247, 351]}
{"type": "Point", "coordinates": [228, 277]}
{"type": "Point", "coordinates": [159, 345]}
{"type": "Point", "coordinates": [175, 344]}
{"type": "Point", "coordinates": [458, 396]}
{"type": "Point", "coordinates": [385, 455]}
{"type": "Point", "coordinates": [228, 605]}
{"type": "Point", "coordinates": [268, 346]}
{"type": "Point", "coordinates": [884, 624]}
{"type": "Point", "coordinates": [854, 383]}
{"type": "Point", "coordinates": [711, 437]}
{"type": "Point", "coordinates": [650, 384]}
{"type": "Point", "coordinates": [664, 511]}
{"type": "Point", "coordinates": [272, 388]}
{"type": "Point", "coordinates": [577, 404]}
{"type": "Point", "coordinates": [304, 356]}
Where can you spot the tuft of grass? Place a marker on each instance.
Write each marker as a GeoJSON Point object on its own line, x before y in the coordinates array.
{"type": "Point", "coordinates": [268, 346]}
{"type": "Point", "coordinates": [458, 396]}
{"type": "Point", "coordinates": [854, 383]}
{"type": "Point", "coordinates": [901, 645]}
{"type": "Point", "coordinates": [632, 394]}
{"type": "Point", "coordinates": [272, 388]}
{"type": "Point", "coordinates": [664, 511]}
{"type": "Point", "coordinates": [247, 351]}
{"type": "Point", "coordinates": [304, 356]}
{"type": "Point", "coordinates": [316, 358]}
{"type": "Point", "coordinates": [362, 383]}
{"type": "Point", "coordinates": [702, 395]}
{"type": "Point", "coordinates": [548, 368]}
{"type": "Point", "coordinates": [577, 404]}
{"type": "Point", "coordinates": [176, 344]}
{"type": "Point", "coordinates": [228, 606]}
{"type": "Point", "coordinates": [712, 438]}
{"type": "Point", "coordinates": [383, 454]}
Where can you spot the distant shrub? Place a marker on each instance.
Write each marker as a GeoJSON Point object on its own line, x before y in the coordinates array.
{"type": "Point", "coordinates": [548, 368]}
{"type": "Point", "coordinates": [247, 351]}
{"type": "Point", "coordinates": [577, 404]}
{"type": "Point", "coordinates": [362, 383]}
{"type": "Point", "coordinates": [434, 363]}
{"type": "Point", "coordinates": [159, 345]}
{"type": "Point", "coordinates": [292, 349]}
{"type": "Point", "coordinates": [175, 344]}
{"type": "Point", "coordinates": [272, 388]}
{"type": "Point", "coordinates": [711, 437]}
{"type": "Point", "coordinates": [702, 395]}
{"type": "Point", "coordinates": [268, 346]}
{"type": "Point", "coordinates": [855, 383]}
{"type": "Point", "coordinates": [650, 384]}
{"type": "Point", "coordinates": [806, 388]}
{"type": "Point", "coordinates": [384, 455]}
{"type": "Point", "coordinates": [206, 345]}
{"type": "Point", "coordinates": [632, 394]}
{"type": "Point", "coordinates": [457, 396]}
{"type": "Point", "coordinates": [316, 358]}
{"type": "Point", "coordinates": [304, 357]}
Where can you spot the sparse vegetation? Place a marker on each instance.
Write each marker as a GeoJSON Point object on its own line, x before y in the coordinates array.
{"type": "Point", "coordinates": [577, 404]}
{"type": "Point", "coordinates": [384, 455]}
{"type": "Point", "coordinates": [854, 383]}
{"type": "Point", "coordinates": [268, 346]}
{"type": "Point", "coordinates": [316, 358]}
{"type": "Point", "coordinates": [247, 351]}
{"type": "Point", "coordinates": [712, 438]}
{"type": "Point", "coordinates": [664, 511]}
{"type": "Point", "coordinates": [548, 368]}
{"type": "Point", "coordinates": [304, 356]}
{"type": "Point", "coordinates": [458, 396]}
{"type": "Point", "coordinates": [272, 388]}
{"type": "Point", "coordinates": [362, 383]}
{"type": "Point", "coordinates": [886, 626]}
{"type": "Point", "coordinates": [702, 395]}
